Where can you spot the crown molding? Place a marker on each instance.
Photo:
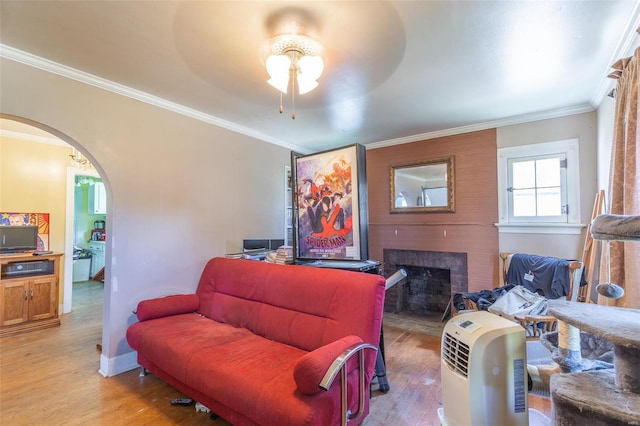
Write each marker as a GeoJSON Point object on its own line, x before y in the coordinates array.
{"type": "Point", "coordinates": [90, 79]}
{"type": "Point", "coordinates": [625, 46]}
{"type": "Point", "coordinates": [510, 121]}
{"type": "Point", "coordinates": [34, 61]}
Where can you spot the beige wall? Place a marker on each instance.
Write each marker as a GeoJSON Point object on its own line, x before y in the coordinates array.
{"type": "Point", "coordinates": [32, 179]}
{"type": "Point", "coordinates": [578, 126]}
{"type": "Point", "coordinates": [605, 115]}
{"type": "Point", "coordinates": [180, 191]}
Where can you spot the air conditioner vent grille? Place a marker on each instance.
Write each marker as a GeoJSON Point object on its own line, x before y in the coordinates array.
{"type": "Point", "coordinates": [456, 354]}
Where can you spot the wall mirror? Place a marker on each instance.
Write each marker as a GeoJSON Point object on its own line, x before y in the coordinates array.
{"type": "Point", "coordinates": [423, 186]}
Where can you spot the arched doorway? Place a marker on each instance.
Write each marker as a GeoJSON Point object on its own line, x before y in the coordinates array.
{"type": "Point", "coordinates": [20, 128]}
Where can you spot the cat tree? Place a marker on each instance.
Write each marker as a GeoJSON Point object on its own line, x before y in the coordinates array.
{"type": "Point", "coordinates": [602, 397]}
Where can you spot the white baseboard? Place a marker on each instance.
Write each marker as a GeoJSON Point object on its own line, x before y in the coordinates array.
{"type": "Point", "coordinates": [119, 364]}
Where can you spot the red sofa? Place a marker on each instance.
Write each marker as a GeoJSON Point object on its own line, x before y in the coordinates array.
{"type": "Point", "coordinates": [255, 341]}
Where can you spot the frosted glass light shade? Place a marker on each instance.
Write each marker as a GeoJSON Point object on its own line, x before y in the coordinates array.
{"type": "Point", "coordinates": [308, 70]}
{"type": "Point", "coordinates": [278, 68]}
{"type": "Point", "coordinates": [311, 67]}
{"type": "Point", "coordinates": [278, 65]}
{"type": "Point", "coordinates": [305, 85]}
{"type": "Point", "coordinates": [281, 83]}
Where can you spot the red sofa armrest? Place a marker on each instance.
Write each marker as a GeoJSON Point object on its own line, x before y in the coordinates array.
{"type": "Point", "coordinates": [167, 306]}
{"type": "Point", "coordinates": [311, 368]}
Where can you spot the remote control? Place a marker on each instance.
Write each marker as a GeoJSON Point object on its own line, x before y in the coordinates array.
{"type": "Point", "coordinates": [182, 401]}
{"type": "Point", "coordinates": [40, 253]}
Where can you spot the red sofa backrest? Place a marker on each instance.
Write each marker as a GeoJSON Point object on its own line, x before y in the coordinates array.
{"type": "Point", "coordinates": [301, 306]}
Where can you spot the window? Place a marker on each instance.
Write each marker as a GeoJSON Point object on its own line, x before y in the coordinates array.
{"type": "Point", "coordinates": [539, 186]}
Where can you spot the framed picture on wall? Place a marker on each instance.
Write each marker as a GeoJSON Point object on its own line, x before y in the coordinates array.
{"type": "Point", "coordinates": [41, 220]}
{"type": "Point", "coordinates": [330, 204]}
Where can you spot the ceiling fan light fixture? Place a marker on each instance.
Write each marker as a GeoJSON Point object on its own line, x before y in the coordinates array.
{"type": "Point", "coordinates": [294, 60]}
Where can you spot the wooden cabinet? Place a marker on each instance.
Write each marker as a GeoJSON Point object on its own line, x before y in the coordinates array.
{"type": "Point", "coordinates": [97, 256]}
{"type": "Point", "coordinates": [97, 198]}
{"type": "Point", "coordinates": [29, 292]}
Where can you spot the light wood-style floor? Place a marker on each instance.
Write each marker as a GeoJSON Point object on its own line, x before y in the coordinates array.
{"type": "Point", "coordinates": [50, 377]}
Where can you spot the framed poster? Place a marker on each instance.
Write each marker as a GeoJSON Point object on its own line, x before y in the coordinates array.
{"type": "Point", "coordinates": [41, 220]}
{"type": "Point", "coordinates": [330, 204]}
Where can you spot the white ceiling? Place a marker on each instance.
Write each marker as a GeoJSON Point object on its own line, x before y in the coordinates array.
{"type": "Point", "coordinates": [395, 71]}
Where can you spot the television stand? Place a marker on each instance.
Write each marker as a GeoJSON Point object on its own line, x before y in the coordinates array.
{"type": "Point", "coordinates": [29, 292]}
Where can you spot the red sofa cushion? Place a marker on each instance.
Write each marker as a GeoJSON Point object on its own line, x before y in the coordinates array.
{"type": "Point", "coordinates": [311, 368]}
{"type": "Point", "coordinates": [242, 371]}
{"type": "Point", "coordinates": [166, 306]}
{"type": "Point", "coordinates": [297, 305]}
{"type": "Point", "coordinates": [254, 376]}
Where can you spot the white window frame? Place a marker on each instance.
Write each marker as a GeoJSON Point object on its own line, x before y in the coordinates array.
{"type": "Point", "coordinates": [561, 218]}
{"type": "Point", "coordinates": [572, 225]}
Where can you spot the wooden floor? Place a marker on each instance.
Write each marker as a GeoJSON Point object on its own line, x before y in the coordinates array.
{"type": "Point", "coordinates": [50, 377]}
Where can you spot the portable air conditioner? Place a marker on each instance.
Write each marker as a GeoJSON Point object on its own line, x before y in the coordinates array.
{"type": "Point", "coordinates": [484, 371]}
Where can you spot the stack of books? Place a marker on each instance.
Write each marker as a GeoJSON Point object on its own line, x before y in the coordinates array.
{"type": "Point", "coordinates": [284, 255]}
{"type": "Point", "coordinates": [253, 254]}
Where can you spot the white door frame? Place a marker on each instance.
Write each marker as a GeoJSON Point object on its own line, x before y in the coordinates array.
{"type": "Point", "coordinates": [69, 233]}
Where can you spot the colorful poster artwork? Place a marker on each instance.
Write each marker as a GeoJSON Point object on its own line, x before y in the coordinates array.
{"type": "Point", "coordinates": [41, 220]}
{"type": "Point", "coordinates": [327, 205]}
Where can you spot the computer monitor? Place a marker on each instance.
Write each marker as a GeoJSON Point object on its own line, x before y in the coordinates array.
{"type": "Point", "coordinates": [254, 244]}
{"type": "Point", "coordinates": [262, 243]}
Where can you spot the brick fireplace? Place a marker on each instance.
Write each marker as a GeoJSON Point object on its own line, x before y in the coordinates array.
{"type": "Point", "coordinates": [432, 277]}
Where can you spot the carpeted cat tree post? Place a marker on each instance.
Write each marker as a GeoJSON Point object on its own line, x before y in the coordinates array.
{"type": "Point", "coordinates": [602, 397]}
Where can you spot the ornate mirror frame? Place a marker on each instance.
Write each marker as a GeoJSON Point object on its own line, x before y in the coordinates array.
{"type": "Point", "coordinates": [426, 186]}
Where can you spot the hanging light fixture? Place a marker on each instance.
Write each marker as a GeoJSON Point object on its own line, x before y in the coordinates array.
{"type": "Point", "coordinates": [77, 160]}
{"type": "Point", "coordinates": [294, 61]}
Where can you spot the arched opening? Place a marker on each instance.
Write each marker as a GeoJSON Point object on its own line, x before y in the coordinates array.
{"type": "Point", "coordinates": [19, 128]}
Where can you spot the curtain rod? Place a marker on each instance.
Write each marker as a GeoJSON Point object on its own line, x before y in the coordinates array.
{"type": "Point", "coordinates": [618, 66]}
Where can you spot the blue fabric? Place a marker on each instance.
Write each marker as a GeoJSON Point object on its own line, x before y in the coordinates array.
{"type": "Point", "coordinates": [550, 274]}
